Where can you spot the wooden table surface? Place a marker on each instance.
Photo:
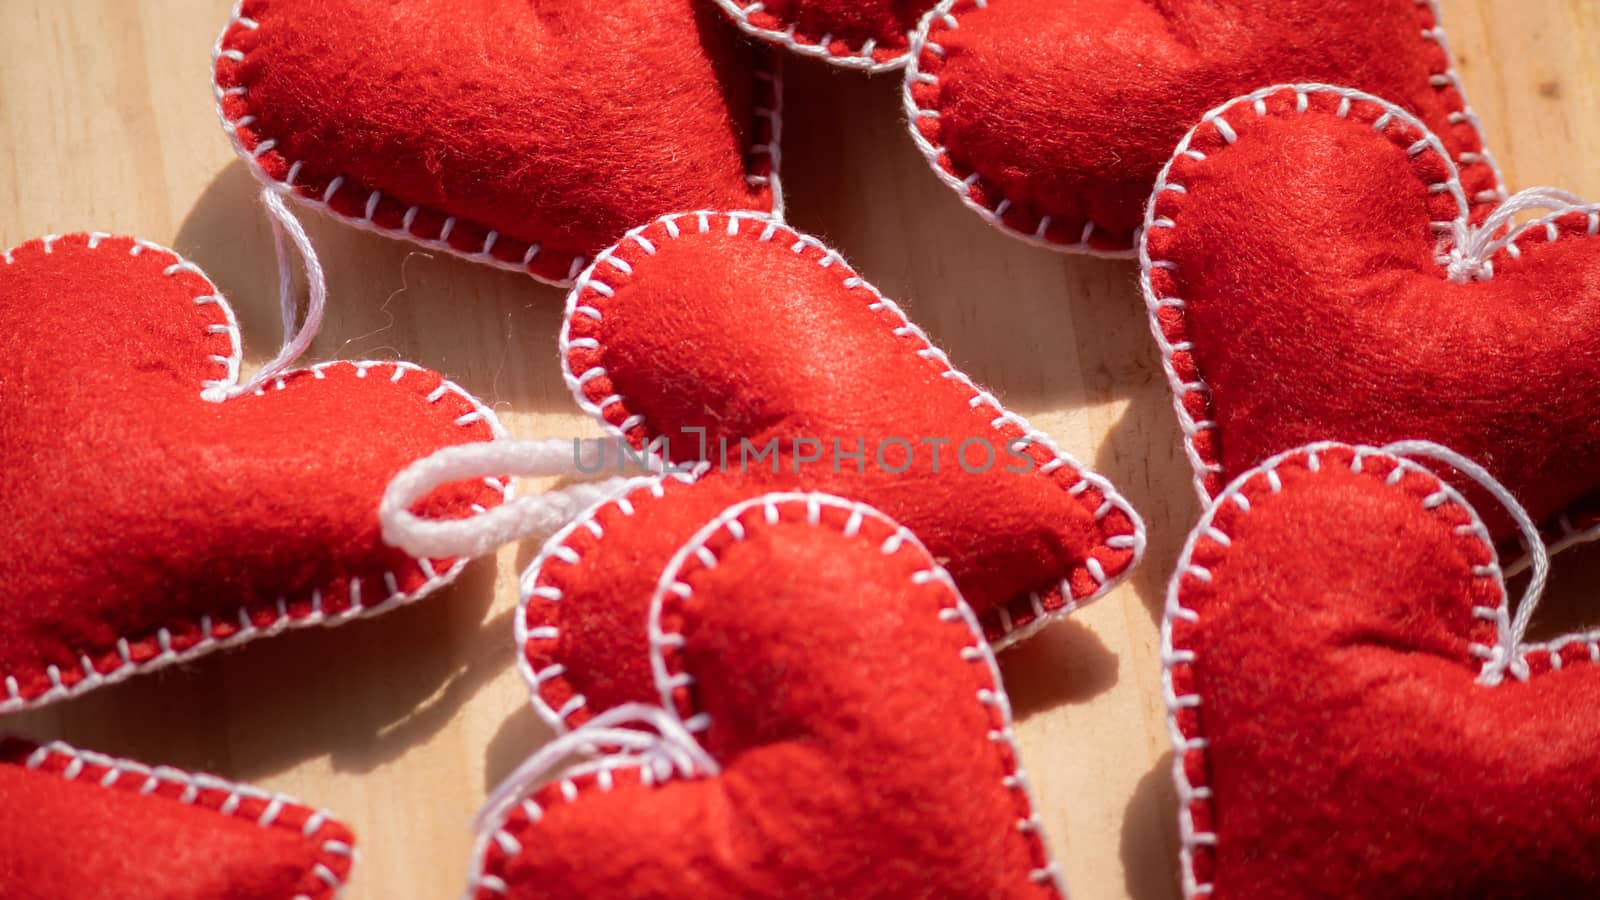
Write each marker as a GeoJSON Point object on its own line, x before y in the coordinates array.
{"type": "Point", "coordinates": [401, 724]}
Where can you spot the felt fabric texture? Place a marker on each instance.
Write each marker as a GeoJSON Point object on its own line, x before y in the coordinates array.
{"type": "Point", "coordinates": [872, 35]}
{"type": "Point", "coordinates": [864, 738]}
{"type": "Point", "coordinates": [523, 135]}
{"type": "Point", "coordinates": [153, 525]}
{"type": "Point", "coordinates": [1051, 118]}
{"type": "Point", "coordinates": [1297, 271]}
{"type": "Point", "coordinates": [1324, 635]}
{"type": "Point", "coordinates": [83, 826]}
{"type": "Point", "coordinates": [721, 338]}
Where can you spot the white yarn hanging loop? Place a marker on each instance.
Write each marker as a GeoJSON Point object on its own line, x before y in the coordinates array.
{"type": "Point", "coordinates": [524, 517]}
{"type": "Point", "coordinates": [286, 229]}
{"type": "Point", "coordinates": [633, 735]}
{"type": "Point", "coordinates": [1513, 630]}
{"type": "Point", "coordinates": [1476, 246]}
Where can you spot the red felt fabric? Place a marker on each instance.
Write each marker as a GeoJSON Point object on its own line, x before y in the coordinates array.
{"type": "Point", "coordinates": [1328, 698]}
{"type": "Point", "coordinates": [852, 714]}
{"type": "Point", "coordinates": [859, 33]}
{"type": "Point", "coordinates": [1311, 305]}
{"type": "Point", "coordinates": [557, 125]}
{"type": "Point", "coordinates": [1067, 109]}
{"type": "Point", "coordinates": [149, 523]}
{"type": "Point", "coordinates": [87, 827]}
{"type": "Point", "coordinates": [745, 329]}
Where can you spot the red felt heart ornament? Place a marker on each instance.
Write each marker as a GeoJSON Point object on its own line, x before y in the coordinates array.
{"type": "Point", "coordinates": [1311, 274]}
{"type": "Point", "coordinates": [831, 723]}
{"type": "Point", "coordinates": [154, 524]}
{"type": "Point", "coordinates": [1052, 118]}
{"type": "Point", "coordinates": [870, 35]}
{"type": "Point", "coordinates": [1346, 720]}
{"type": "Point", "coordinates": [85, 826]}
{"type": "Point", "coordinates": [731, 342]}
{"type": "Point", "coordinates": [527, 136]}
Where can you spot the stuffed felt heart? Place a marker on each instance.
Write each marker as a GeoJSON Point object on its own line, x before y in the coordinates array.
{"type": "Point", "coordinates": [1310, 274]}
{"type": "Point", "coordinates": [730, 341]}
{"type": "Point", "coordinates": [152, 524]}
{"type": "Point", "coordinates": [831, 723]}
{"type": "Point", "coordinates": [84, 826]}
{"type": "Point", "coordinates": [522, 135]}
{"type": "Point", "coordinates": [1334, 677]}
{"type": "Point", "coordinates": [873, 35]}
{"type": "Point", "coordinates": [1051, 118]}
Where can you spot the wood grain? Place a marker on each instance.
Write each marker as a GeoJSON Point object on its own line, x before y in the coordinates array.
{"type": "Point", "coordinates": [401, 724]}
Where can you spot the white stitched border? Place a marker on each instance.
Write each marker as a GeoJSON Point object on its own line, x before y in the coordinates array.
{"type": "Point", "coordinates": [225, 323]}
{"type": "Point", "coordinates": [1395, 121]}
{"type": "Point", "coordinates": [923, 42]}
{"type": "Point", "coordinates": [533, 590]}
{"type": "Point", "coordinates": [1554, 652]}
{"type": "Point", "coordinates": [128, 775]}
{"type": "Point", "coordinates": [1450, 79]}
{"type": "Point", "coordinates": [613, 265]}
{"type": "Point", "coordinates": [859, 58]}
{"type": "Point", "coordinates": [944, 15]}
{"type": "Point", "coordinates": [598, 774]}
{"type": "Point", "coordinates": [993, 698]}
{"type": "Point", "coordinates": [1184, 742]}
{"type": "Point", "coordinates": [240, 627]}
{"type": "Point", "coordinates": [1154, 302]}
{"type": "Point", "coordinates": [605, 275]}
{"type": "Point", "coordinates": [768, 109]}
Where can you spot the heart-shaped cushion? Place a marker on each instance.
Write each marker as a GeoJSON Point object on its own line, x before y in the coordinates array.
{"type": "Point", "coordinates": [522, 135]}
{"type": "Point", "coordinates": [1325, 635]}
{"type": "Point", "coordinates": [151, 525]}
{"type": "Point", "coordinates": [731, 340]}
{"type": "Point", "coordinates": [1299, 271]}
{"type": "Point", "coordinates": [84, 826]}
{"type": "Point", "coordinates": [815, 650]}
{"type": "Point", "coordinates": [1051, 118]}
{"type": "Point", "coordinates": [870, 35]}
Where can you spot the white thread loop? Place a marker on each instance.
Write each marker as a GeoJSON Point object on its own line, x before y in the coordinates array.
{"type": "Point", "coordinates": [1507, 654]}
{"type": "Point", "coordinates": [524, 517]}
{"type": "Point", "coordinates": [633, 735]}
{"type": "Point", "coordinates": [286, 229]}
{"type": "Point", "coordinates": [1475, 247]}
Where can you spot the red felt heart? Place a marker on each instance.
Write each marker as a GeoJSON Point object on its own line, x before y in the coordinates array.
{"type": "Point", "coordinates": [728, 336]}
{"type": "Point", "coordinates": [823, 659]}
{"type": "Point", "coordinates": [84, 826]}
{"type": "Point", "coordinates": [1051, 118]}
{"type": "Point", "coordinates": [1298, 270]}
{"type": "Point", "coordinates": [522, 135]}
{"type": "Point", "coordinates": [1324, 639]}
{"type": "Point", "coordinates": [871, 35]}
{"type": "Point", "coordinates": [153, 525]}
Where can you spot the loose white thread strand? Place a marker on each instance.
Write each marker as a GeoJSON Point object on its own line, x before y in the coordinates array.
{"type": "Point", "coordinates": [286, 229]}
{"type": "Point", "coordinates": [1508, 656]}
{"type": "Point", "coordinates": [288, 305]}
{"type": "Point", "coordinates": [1475, 247]}
{"type": "Point", "coordinates": [666, 749]}
{"type": "Point", "coordinates": [529, 516]}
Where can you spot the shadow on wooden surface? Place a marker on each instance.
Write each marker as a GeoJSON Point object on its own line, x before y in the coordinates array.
{"type": "Point", "coordinates": [519, 737]}
{"type": "Point", "coordinates": [997, 306]}
{"type": "Point", "coordinates": [1148, 822]}
{"type": "Point", "coordinates": [491, 331]}
{"type": "Point", "coordinates": [286, 699]}
{"type": "Point", "coordinates": [1063, 665]}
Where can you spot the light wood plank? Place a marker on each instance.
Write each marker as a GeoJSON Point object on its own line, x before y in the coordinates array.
{"type": "Point", "coordinates": [401, 724]}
